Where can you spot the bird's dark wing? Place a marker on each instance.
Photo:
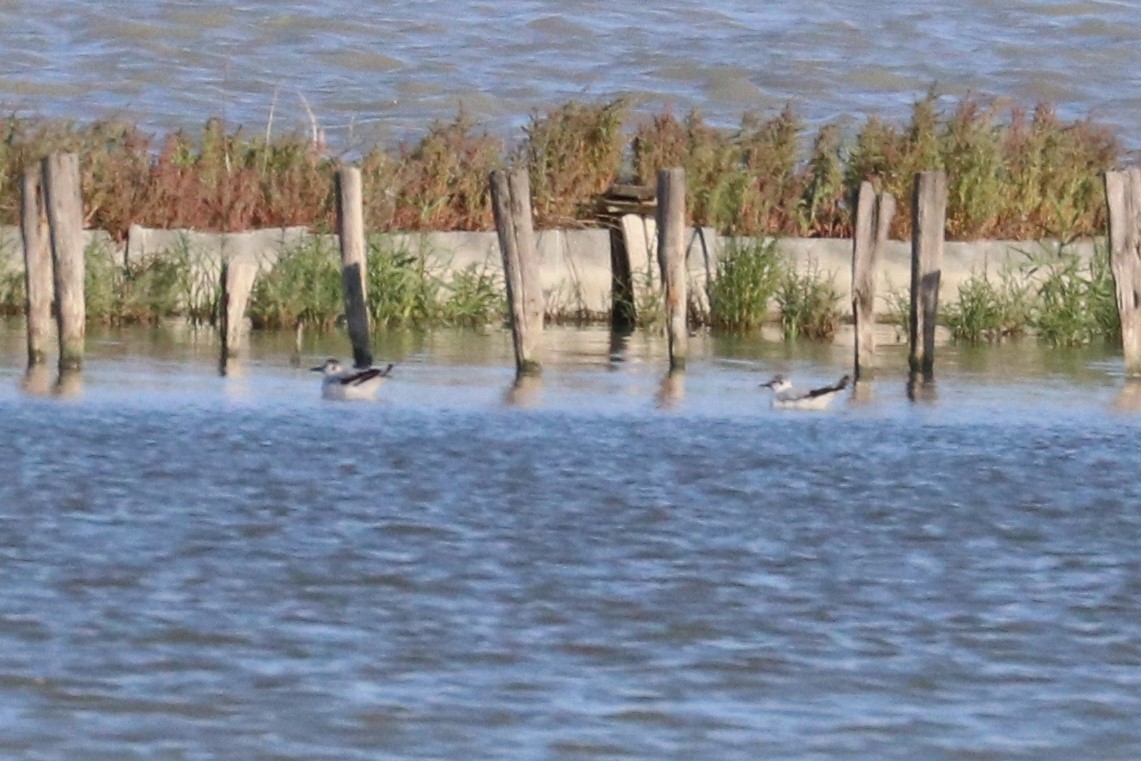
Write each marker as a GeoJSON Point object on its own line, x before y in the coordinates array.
{"type": "Point", "coordinates": [364, 376]}
{"type": "Point", "coordinates": [837, 386]}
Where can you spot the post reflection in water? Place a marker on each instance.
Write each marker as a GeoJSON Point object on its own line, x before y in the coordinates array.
{"type": "Point", "coordinates": [672, 390]}
{"type": "Point", "coordinates": [1129, 397]}
{"type": "Point", "coordinates": [70, 384]}
{"type": "Point", "coordinates": [524, 391]}
{"type": "Point", "coordinates": [37, 380]}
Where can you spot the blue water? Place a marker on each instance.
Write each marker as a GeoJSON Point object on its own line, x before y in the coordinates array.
{"type": "Point", "coordinates": [198, 567]}
{"type": "Point", "coordinates": [384, 70]}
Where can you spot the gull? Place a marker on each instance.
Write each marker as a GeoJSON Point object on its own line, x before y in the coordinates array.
{"type": "Point", "coordinates": [340, 382]}
{"type": "Point", "coordinates": [785, 397]}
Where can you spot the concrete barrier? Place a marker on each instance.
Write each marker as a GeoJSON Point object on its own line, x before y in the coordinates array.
{"type": "Point", "coordinates": [575, 263]}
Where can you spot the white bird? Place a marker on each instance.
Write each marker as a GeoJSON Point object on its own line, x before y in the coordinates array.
{"type": "Point", "coordinates": [785, 397]}
{"type": "Point", "coordinates": [340, 382]}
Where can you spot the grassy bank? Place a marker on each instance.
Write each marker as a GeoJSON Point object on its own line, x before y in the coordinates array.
{"type": "Point", "coordinates": [1014, 173]}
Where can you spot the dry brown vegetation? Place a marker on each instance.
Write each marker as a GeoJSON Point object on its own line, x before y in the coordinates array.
{"type": "Point", "coordinates": [1016, 174]}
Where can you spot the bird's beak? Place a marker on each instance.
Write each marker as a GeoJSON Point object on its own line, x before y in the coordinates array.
{"type": "Point", "coordinates": [318, 369]}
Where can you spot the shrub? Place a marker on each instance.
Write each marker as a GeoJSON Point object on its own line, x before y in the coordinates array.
{"type": "Point", "coordinates": [749, 271]}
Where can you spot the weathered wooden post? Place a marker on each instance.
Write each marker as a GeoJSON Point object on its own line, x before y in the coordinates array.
{"type": "Point", "coordinates": [64, 206]}
{"type": "Point", "coordinates": [874, 213]}
{"type": "Point", "coordinates": [350, 230]}
{"type": "Point", "coordinates": [38, 277]}
{"type": "Point", "coordinates": [238, 276]}
{"type": "Point", "coordinates": [671, 258]}
{"type": "Point", "coordinates": [1123, 197]}
{"type": "Point", "coordinates": [511, 203]}
{"type": "Point", "coordinates": [929, 214]}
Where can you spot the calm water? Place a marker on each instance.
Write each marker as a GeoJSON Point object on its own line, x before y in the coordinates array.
{"type": "Point", "coordinates": [385, 69]}
{"type": "Point", "coordinates": [196, 567]}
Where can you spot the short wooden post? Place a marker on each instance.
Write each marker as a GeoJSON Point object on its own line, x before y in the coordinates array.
{"type": "Point", "coordinates": [64, 206]}
{"type": "Point", "coordinates": [873, 221]}
{"type": "Point", "coordinates": [38, 277]}
{"type": "Point", "coordinates": [929, 213]}
{"type": "Point", "coordinates": [671, 259]}
{"type": "Point", "coordinates": [238, 276]}
{"type": "Point", "coordinates": [1123, 197]}
{"type": "Point", "coordinates": [350, 230]}
{"type": "Point", "coordinates": [511, 203]}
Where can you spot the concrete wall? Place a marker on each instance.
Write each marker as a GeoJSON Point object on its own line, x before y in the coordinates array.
{"type": "Point", "coordinates": [575, 264]}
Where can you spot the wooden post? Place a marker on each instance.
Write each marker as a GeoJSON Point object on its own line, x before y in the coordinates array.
{"type": "Point", "coordinates": [671, 258]}
{"type": "Point", "coordinates": [65, 221]}
{"type": "Point", "coordinates": [873, 220]}
{"type": "Point", "coordinates": [511, 203]}
{"type": "Point", "coordinates": [1123, 197]}
{"type": "Point", "coordinates": [929, 214]}
{"type": "Point", "coordinates": [238, 276]}
{"type": "Point", "coordinates": [38, 277]}
{"type": "Point", "coordinates": [350, 230]}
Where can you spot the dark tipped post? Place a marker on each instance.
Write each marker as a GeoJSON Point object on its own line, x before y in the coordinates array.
{"type": "Point", "coordinates": [874, 213]}
{"type": "Point", "coordinates": [65, 221]}
{"type": "Point", "coordinates": [350, 230]}
{"type": "Point", "coordinates": [38, 277]}
{"type": "Point", "coordinates": [511, 203]}
{"type": "Point", "coordinates": [929, 213]}
{"type": "Point", "coordinates": [671, 258]}
{"type": "Point", "coordinates": [1123, 197]}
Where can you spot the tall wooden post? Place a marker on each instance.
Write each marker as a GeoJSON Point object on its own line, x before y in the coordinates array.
{"type": "Point", "coordinates": [350, 230]}
{"type": "Point", "coordinates": [1123, 197]}
{"type": "Point", "coordinates": [671, 258]}
{"type": "Point", "coordinates": [929, 214]}
{"type": "Point", "coordinates": [38, 277]}
{"type": "Point", "coordinates": [873, 220]}
{"type": "Point", "coordinates": [511, 203]}
{"type": "Point", "coordinates": [65, 221]}
{"type": "Point", "coordinates": [238, 276]}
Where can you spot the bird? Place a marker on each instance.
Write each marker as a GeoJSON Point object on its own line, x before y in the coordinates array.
{"type": "Point", "coordinates": [339, 382]}
{"type": "Point", "coordinates": [785, 397]}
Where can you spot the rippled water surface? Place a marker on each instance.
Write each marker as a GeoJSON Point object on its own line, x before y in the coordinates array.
{"type": "Point", "coordinates": [607, 566]}
{"type": "Point", "coordinates": [389, 68]}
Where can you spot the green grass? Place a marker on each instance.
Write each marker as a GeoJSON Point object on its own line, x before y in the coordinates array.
{"type": "Point", "coordinates": [808, 305]}
{"type": "Point", "coordinates": [749, 273]}
{"type": "Point", "coordinates": [991, 309]}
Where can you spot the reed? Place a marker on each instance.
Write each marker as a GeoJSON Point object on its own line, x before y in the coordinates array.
{"type": "Point", "coordinates": [749, 273]}
{"type": "Point", "coordinates": [302, 288]}
{"type": "Point", "coordinates": [992, 309]}
{"type": "Point", "coordinates": [1076, 300]}
{"type": "Point", "coordinates": [1013, 172]}
{"type": "Point", "coordinates": [808, 304]}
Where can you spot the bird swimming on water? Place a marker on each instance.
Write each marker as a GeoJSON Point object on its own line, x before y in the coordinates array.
{"type": "Point", "coordinates": [340, 382]}
{"type": "Point", "coordinates": [785, 397]}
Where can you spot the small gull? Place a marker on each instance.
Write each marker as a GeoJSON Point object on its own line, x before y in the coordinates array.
{"type": "Point", "coordinates": [340, 382]}
{"type": "Point", "coordinates": [785, 397]}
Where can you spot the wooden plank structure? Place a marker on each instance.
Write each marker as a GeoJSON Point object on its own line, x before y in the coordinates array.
{"type": "Point", "coordinates": [671, 258]}
{"type": "Point", "coordinates": [929, 214]}
{"type": "Point", "coordinates": [610, 207]}
{"type": "Point", "coordinates": [39, 283]}
{"type": "Point", "coordinates": [64, 206]}
{"type": "Point", "coordinates": [511, 204]}
{"type": "Point", "coordinates": [1123, 197]}
{"type": "Point", "coordinates": [874, 213]}
{"type": "Point", "coordinates": [351, 233]}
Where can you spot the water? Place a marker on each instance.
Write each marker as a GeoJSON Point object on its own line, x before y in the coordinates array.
{"type": "Point", "coordinates": [197, 567]}
{"type": "Point", "coordinates": [384, 70]}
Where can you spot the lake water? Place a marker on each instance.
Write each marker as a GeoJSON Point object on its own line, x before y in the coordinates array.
{"type": "Point", "coordinates": [608, 566]}
{"type": "Point", "coordinates": [384, 70]}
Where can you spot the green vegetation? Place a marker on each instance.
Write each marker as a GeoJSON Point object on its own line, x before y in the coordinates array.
{"type": "Point", "coordinates": [403, 289]}
{"type": "Point", "coordinates": [749, 272]}
{"type": "Point", "coordinates": [808, 305]}
{"type": "Point", "coordinates": [1014, 175]}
